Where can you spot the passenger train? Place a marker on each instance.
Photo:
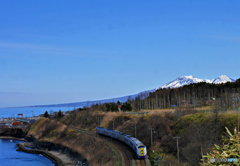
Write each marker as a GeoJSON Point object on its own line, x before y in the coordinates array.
{"type": "Point", "coordinates": [134, 143]}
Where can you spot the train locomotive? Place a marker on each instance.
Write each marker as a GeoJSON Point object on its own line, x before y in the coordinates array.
{"type": "Point", "coordinates": [134, 143]}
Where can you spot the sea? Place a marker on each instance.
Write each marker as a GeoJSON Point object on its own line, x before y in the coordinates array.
{"type": "Point", "coordinates": [10, 112]}
{"type": "Point", "coordinates": [8, 154]}
{"type": "Point", "coordinates": [10, 157]}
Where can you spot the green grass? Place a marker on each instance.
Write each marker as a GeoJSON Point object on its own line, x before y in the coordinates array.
{"type": "Point", "coordinates": [181, 125]}
{"type": "Point", "coordinates": [227, 119]}
{"type": "Point", "coordinates": [156, 154]}
{"type": "Point", "coordinates": [117, 163]}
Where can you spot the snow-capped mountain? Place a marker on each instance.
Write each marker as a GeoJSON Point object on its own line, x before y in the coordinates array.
{"type": "Point", "coordinates": [179, 82]}
{"type": "Point", "coordinates": [186, 80]}
{"type": "Point", "coordinates": [222, 79]}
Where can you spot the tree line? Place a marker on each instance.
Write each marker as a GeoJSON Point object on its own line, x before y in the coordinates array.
{"type": "Point", "coordinates": [225, 95]}
{"type": "Point", "coordinates": [199, 94]}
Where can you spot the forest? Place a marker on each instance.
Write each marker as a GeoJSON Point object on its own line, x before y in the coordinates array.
{"type": "Point", "coordinates": [226, 95]}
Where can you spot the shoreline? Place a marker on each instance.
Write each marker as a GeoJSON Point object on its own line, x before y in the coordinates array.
{"type": "Point", "coordinates": [15, 138]}
{"type": "Point", "coordinates": [56, 157]}
{"type": "Point", "coordinates": [50, 156]}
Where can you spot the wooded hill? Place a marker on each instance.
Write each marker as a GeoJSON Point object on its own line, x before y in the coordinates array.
{"type": "Point", "coordinates": [226, 95]}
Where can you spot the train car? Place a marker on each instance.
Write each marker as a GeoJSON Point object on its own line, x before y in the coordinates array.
{"type": "Point", "coordinates": [120, 136]}
{"type": "Point", "coordinates": [114, 133]}
{"type": "Point", "coordinates": [132, 144]}
{"type": "Point", "coordinates": [138, 147]}
{"type": "Point", "coordinates": [103, 131]}
{"type": "Point", "coordinates": [126, 139]}
{"type": "Point", "coordinates": [98, 130]}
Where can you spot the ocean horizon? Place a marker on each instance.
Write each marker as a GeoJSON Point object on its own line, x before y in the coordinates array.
{"type": "Point", "coordinates": [10, 112]}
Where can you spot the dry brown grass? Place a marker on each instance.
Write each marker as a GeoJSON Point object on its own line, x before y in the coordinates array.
{"type": "Point", "coordinates": [109, 116]}
{"type": "Point", "coordinates": [158, 111]}
{"type": "Point", "coordinates": [38, 127]}
{"type": "Point", "coordinates": [96, 151]}
{"type": "Point", "coordinates": [46, 130]}
{"type": "Point", "coordinates": [163, 111]}
{"type": "Point", "coordinates": [231, 112]}
{"type": "Point", "coordinates": [205, 108]}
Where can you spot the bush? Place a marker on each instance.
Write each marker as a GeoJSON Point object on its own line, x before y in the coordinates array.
{"type": "Point", "coordinates": [229, 150]}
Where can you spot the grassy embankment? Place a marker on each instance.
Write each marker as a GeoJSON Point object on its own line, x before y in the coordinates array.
{"type": "Point", "coordinates": [96, 151]}
{"type": "Point", "coordinates": [198, 131]}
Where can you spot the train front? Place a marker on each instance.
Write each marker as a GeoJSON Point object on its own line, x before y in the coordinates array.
{"type": "Point", "coordinates": [141, 151]}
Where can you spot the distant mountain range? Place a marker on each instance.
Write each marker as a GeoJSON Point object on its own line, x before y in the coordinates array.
{"type": "Point", "coordinates": [186, 80]}
{"type": "Point", "coordinates": [179, 82]}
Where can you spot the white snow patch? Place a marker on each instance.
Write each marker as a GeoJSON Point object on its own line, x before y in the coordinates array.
{"type": "Point", "coordinates": [186, 80]}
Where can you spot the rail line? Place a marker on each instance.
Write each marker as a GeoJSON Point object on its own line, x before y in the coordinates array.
{"type": "Point", "coordinates": [83, 131]}
{"type": "Point", "coordinates": [125, 159]}
{"type": "Point", "coordinates": [142, 162]}
{"type": "Point", "coordinates": [131, 155]}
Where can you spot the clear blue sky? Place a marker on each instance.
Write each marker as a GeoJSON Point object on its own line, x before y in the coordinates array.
{"type": "Point", "coordinates": [69, 51]}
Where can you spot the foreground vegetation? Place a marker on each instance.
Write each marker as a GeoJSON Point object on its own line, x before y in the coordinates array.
{"type": "Point", "coordinates": [95, 150]}
{"type": "Point", "coordinates": [197, 131]}
{"type": "Point", "coordinates": [197, 113]}
{"type": "Point", "coordinates": [229, 150]}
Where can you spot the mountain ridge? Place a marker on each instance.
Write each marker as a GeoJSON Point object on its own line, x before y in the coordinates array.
{"type": "Point", "coordinates": [186, 80]}
{"type": "Point", "coordinates": [179, 82]}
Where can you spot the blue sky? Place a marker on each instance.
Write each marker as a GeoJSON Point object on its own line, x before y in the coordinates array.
{"type": "Point", "coordinates": [69, 51]}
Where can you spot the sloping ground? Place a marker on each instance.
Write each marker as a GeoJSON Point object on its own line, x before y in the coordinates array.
{"type": "Point", "coordinates": [198, 131]}
{"type": "Point", "coordinates": [88, 120]}
{"type": "Point", "coordinates": [96, 151]}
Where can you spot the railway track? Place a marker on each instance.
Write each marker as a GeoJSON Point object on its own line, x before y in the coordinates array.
{"type": "Point", "coordinates": [83, 131]}
{"type": "Point", "coordinates": [126, 157]}
{"type": "Point", "coordinates": [142, 162]}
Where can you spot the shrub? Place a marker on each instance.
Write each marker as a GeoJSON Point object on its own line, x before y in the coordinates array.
{"type": "Point", "coordinates": [229, 150]}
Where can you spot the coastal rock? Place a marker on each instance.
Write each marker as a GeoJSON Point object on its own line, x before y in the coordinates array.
{"type": "Point", "coordinates": [12, 132]}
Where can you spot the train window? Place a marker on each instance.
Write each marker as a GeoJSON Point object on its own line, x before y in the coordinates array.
{"type": "Point", "coordinates": [141, 147]}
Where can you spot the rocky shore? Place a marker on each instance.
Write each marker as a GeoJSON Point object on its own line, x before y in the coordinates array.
{"type": "Point", "coordinates": [55, 157]}
{"type": "Point", "coordinates": [12, 132]}
{"type": "Point", "coordinates": [9, 137]}
{"type": "Point", "coordinates": [17, 134]}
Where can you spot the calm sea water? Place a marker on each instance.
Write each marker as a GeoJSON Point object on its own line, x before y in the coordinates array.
{"type": "Point", "coordinates": [8, 154]}
{"type": "Point", "coordinates": [10, 157]}
{"type": "Point", "coordinates": [28, 111]}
